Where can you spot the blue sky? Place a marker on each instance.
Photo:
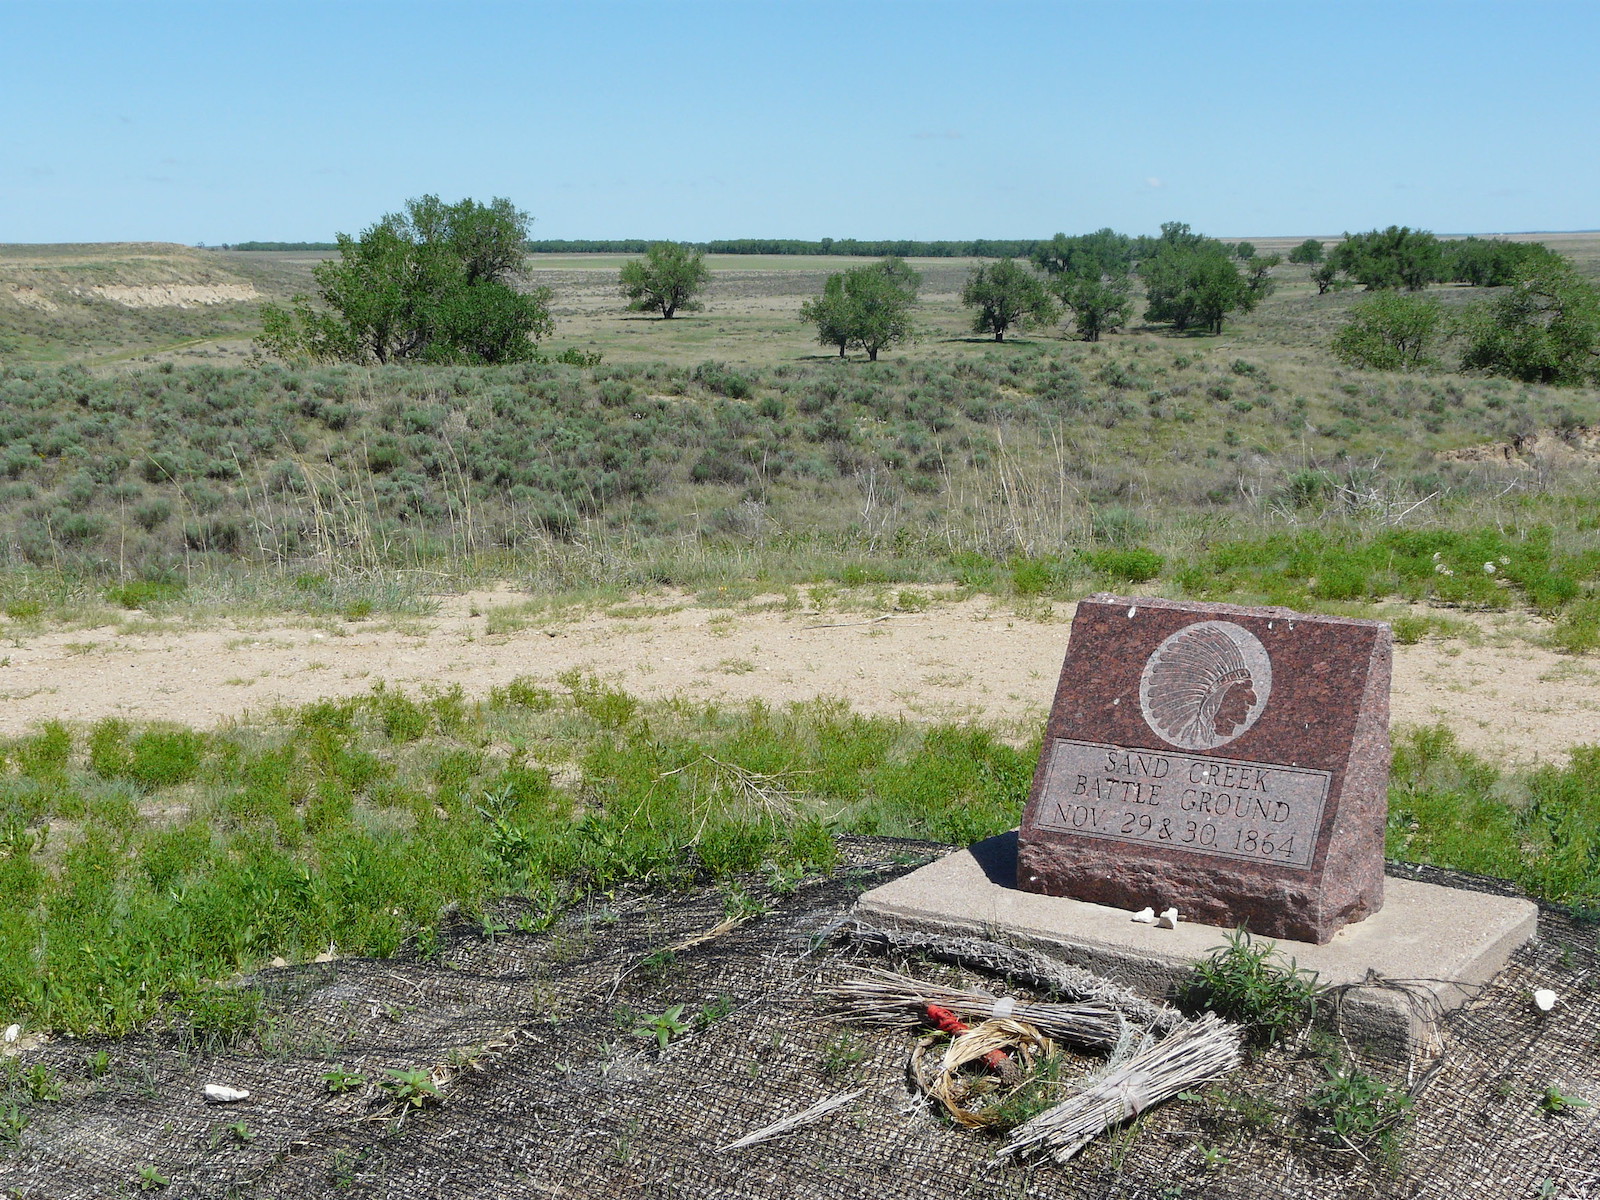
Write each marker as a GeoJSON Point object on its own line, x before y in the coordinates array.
{"type": "Point", "coordinates": [231, 120]}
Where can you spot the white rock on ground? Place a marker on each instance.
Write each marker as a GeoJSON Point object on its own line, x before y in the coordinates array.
{"type": "Point", "coordinates": [1544, 999]}
{"type": "Point", "coordinates": [219, 1093]}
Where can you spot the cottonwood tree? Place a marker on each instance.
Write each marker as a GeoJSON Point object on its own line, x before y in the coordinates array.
{"type": "Point", "coordinates": [1089, 276]}
{"type": "Point", "coordinates": [1491, 262]}
{"type": "Point", "coordinates": [1326, 276]}
{"type": "Point", "coordinates": [1308, 252]}
{"type": "Point", "coordinates": [1259, 275]}
{"type": "Point", "coordinates": [667, 279]}
{"type": "Point", "coordinates": [1098, 303]}
{"type": "Point", "coordinates": [432, 284]}
{"type": "Point", "coordinates": [1104, 252]}
{"type": "Point", "coordinates": [1398, 256]}
{"type": "Point", "coordinates": [1392, 332]}
{"type": "Point", "coordinates": [1192, 282]}
{"type": "Point", "coordinates": [1545, 329]}
{"type": "Point", "coordinates": [865, 308]}
{"type": "Point", "coordinates": [1007, 295]}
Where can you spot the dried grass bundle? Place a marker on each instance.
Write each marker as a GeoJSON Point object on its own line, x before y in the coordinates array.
{"type": "Point", "coordinates": [951, 1088]}
{"type": "Point", "coordinates": [885, 998]}
{"type": "Point", "coordinates": [1031, 968]}
{"type": "Point", "coordinates": [1196, 1054]}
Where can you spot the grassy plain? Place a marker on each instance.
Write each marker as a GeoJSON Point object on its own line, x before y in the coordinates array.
{"type": "Point", "coordinates": [149, 468]}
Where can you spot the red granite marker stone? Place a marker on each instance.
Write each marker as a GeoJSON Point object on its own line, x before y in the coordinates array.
{"type": "Point", "coordinates": [1230, 762]}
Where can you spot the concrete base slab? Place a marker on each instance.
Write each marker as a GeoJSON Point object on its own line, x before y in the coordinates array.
{"type": "Point", "coordinates": [1422, 955]}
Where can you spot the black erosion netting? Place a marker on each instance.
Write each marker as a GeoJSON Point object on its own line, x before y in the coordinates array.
{"type": "Point", "coordinates": [549, 1091]}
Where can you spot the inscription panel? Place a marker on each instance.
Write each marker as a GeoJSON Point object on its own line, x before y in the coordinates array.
{"type": "Point", "coordinates": [1228, 808]}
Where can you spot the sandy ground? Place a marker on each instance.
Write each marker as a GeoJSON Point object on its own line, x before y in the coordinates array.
{"type": "Point", "coordinates": [973, 658]}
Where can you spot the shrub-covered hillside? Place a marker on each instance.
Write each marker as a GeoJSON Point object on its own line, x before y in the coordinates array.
{"type": "Point", "coordinates": [1032, 450]}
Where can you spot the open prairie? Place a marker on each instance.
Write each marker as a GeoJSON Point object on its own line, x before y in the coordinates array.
{"type": "Point", "coordinates": [478, 764]}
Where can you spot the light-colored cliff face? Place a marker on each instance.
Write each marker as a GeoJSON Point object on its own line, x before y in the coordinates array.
{"type": "Point", "coordinates": [171, 295]}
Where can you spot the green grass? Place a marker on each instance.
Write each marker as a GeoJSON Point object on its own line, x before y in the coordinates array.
{"type": "Point", "coordinates": [140, 865]}
{"type": "Point", "coordinates": [1539, 828]}
{"type": "Point", "coordinates": [360, 822]}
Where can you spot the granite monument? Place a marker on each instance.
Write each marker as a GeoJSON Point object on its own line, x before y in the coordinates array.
{"type": "Point", "coordinates": [1230, 762]}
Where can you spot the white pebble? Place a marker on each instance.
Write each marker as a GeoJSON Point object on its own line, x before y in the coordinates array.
{"type": "Point", "coordinates": [219, 1093]}
{"type": "Point", "coordinates": [1488, 568]}
{"type": "Point", "coordinates": [1544, 999]}
{"type": "Point", "coordinates": [1168, 919]}
{"type": "Point", "coordinates": [1145, 916]}
{"type": "Point", "coordinates": [13, 1032]}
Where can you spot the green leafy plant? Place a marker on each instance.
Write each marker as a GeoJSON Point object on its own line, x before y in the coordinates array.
{"type": "Point", "coordinates": [663, 1026]}
{"type": "Point", "coordinates": [345, 1166]}
{"type": "Point", "coordinates": [149, 1179]}
{"type": "Point", "coordinates": [1249, 982]}
{"type": "Point", "coordinates": [142, 593]}
{"type": "Point", "coordinates": [1555, 1103]}
{"type": "Point", "coordinates": [1355, 1109]}
{"type": "Point", "coordinates": [411, 1089]}
{"type": "Point", "coordinates": [842, 1052]}
{"type": "Point", "coordinates": [241, 1132]}
{"type": "Point", "coordinates": [1132, 565]}
{"type": "Point", "coordinates": [13, 1120]}
{"type": "Point", "coordinates": [658, 963]}
{"type": "Point", "coordinates": [1043, 1087]}
{"type": "Point", "coordinates": [715, 1011]}
{"type": "Point", "coordinates": [740, 905]}
{"type": "Point", "coordinates": [43, 1087]}
{"type": "Point", "coordinates": [338, 1081]}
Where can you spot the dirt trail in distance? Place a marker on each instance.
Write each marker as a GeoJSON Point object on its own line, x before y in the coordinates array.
{"type": "Point", "coordinates": [973, 658]}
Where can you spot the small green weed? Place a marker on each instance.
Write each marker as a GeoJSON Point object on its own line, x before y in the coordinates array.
{"type": "Point", "coordinates": [339, 1081]}
{"type": "Point", "coordinates": [1555, 1103]}
{"type": "Point", "coordinates": [13, 1121]}
{"type": "Point", "coordinates": [411, 1089]}
{"type": "Point", "coordinates": [522, 692]}
{"type": "Point", "coordinates": [1247, 981]}
{"type": "Point", "coordinates": [1247, 1110]}
{"type": "Point", "coordinates": [1132, 565]}
{"type": "Point", "coordinates": [658, 963]}
{"type": "Point", "coordinates": [663, 1026]}
{"type": "Point", "coordinates": [145, 593]}
{"type": "Point", "coordinates": [1578, 630]}
{"type": "Point", "coordinates": [43, 1087]}
{"type": "Point", "coordinates": [342, 1169]}
{"type": "Point", "coordinates": [221, 1018]}
{"type": "Point", "coordinates": [842, 1053]}
{"type": "Point", "coordinates": [739, 905]}
{"type": "Point", "coordinates": [1043, 1087]}
{"type": "Point", "coordinates": [149, 1179]}
{"type": "Point", "coordinates": [1354, 1109]}
{"type": "Point", "coordinates": [715, 1011]}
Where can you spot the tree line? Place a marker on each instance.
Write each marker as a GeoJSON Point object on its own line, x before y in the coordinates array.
{"type": "Point", "coordinates": [435, 283]}
{"type": "Point", "coordinates": [850, 247]}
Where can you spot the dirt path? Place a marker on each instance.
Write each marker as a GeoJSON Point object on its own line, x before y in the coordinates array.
{"type": "Point", "coordinates": [973, 658]}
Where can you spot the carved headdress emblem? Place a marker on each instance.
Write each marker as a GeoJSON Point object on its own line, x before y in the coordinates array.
{"type": "Point", "coordinates": [1205, 685]}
